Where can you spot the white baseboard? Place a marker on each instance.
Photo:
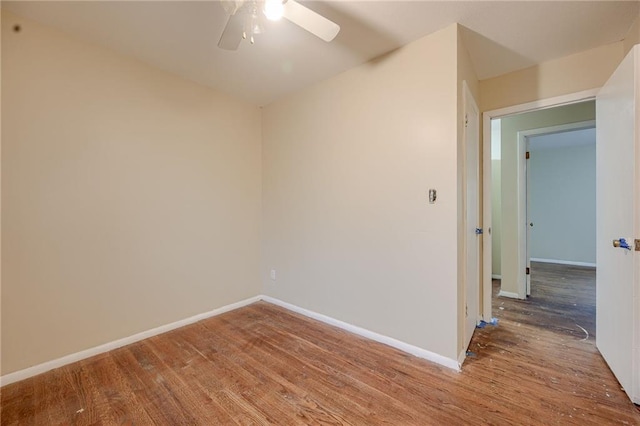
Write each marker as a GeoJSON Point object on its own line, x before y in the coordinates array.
{"type": "Point", "coordinates": [78, 356]}
{"type": "Point", "coordinates": [389, 341]}
{"type": "Point", "coordinates": [563, 262]}
{"type": "Point", "coordinates": [508, 294]}
{"type": "Point", "coordinates": [496, 277]}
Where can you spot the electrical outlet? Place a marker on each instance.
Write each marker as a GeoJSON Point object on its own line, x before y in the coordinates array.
{"type": "Point", "coordinates": [272, 274]}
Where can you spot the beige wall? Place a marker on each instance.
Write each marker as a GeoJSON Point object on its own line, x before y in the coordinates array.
{"type": "Point", "coordinates": [347, 165]}
{"type": "Point", "coordinates": [511, 268]}
{"type": "Point", "coordinates": [571, 74]}
{"type": "Point", "coordinates": [131, 198]}
{"type": "Point", "coordinates": [465, 73]}
{"type": "Point", "coordinates": [633, 36]}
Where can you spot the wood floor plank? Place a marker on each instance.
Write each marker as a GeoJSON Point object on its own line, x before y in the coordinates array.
{"type": "Point", "coordinates": [185, 368]}
{"type": "Point", "coordinates": [57, 402]}
{"type": "Point", "coordinates": [146, 385]}
{"type": "Point", "coordinates": [262, 365]}
{"type": "Point", "coordinates": [213, 377]}
{"type": "Point", "coordinates": [18, 403]}
{"type": "Point", "coordinates": [329, 390]}
{"type": "Point", "coordinates": [372, 371]}
{"type": "Point", "coordinates": [115, 396]}
{"type": "Point", "coordinates": [274, 399]}
{"type": "Point", "coordinates": [339, 375]}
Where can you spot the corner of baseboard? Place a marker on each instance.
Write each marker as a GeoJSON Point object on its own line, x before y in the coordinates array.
{"type": "Point", "coordinates": [380, 338]}
{"type": "Point", "coordinates": [78, 356]}
{"type": "Point", "coordinates": [508, 294]}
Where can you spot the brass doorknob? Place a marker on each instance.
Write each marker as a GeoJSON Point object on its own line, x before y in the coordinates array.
{"type": "Point", "coordinates": [616, 243]}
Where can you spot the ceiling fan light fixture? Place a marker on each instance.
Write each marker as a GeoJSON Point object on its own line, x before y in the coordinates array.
{"type": "Point", "coordinates": [273, 9]}
{"type": "Point", "coordinates": [246, 19]}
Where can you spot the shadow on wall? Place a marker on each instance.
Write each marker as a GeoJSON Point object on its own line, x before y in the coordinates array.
{"type": "Point", "coordinates": [356, 36]}
{"type": "Point", "coordinates": [365, 40]}
{"type": "Point", "coordinates": [490, 56]}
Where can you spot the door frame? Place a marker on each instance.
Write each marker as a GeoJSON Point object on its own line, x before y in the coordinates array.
{"type": "Point", "coordinates": [487, 116]}
{"type": "Point", "coordinates": [523, 191]}
{"type": "Point", "coordinates": [471, 242]}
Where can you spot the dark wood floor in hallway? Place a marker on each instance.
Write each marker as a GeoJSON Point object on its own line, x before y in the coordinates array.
{"type": "Point", "coordinates": [265, 365]}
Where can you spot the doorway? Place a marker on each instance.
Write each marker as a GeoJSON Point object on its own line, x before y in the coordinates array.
{"type": "Point", "coordinates": [617, 211]}
{"type": "Point", "coordinates": [557, 135]}
{"type": "Point", "coordinates": [560, 200]}
{"type": "Point", "coordinates": [487, 190]}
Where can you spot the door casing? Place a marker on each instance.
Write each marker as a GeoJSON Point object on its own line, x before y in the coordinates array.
{"type": "Point", "coordinates": [487, 116]}
{"type": "Point", "coordinates": [472, 214]}
{"type": "Point", "coordinates": [524, 281]}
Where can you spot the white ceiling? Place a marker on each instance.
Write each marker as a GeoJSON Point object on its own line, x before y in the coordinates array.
{"type": "Point", "coordinates": [573, 138]}
{"type": "Point", "coordinates": [181, 36]}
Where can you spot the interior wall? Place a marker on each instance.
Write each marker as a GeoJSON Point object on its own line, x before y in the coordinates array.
{"type": "Point", "coordinates": [131, 197]}
{"type": "Point", "coordinates": [465, 73]}
{"type": "Point", "coordinates": [571, 74]}
{"type": "Point", "coordinates": [511, 267]}
{"type": "Point", "coordinates": [562, 196]}
{"type": "Point", "coordinates": [347, 165]}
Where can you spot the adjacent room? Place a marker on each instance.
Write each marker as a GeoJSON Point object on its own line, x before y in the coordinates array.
{"type": "Point", "coordinates": [283, 212]}
{"type": "Point", "coordinates": [543, 164]}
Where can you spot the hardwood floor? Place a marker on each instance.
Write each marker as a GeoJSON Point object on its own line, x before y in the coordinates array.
{"type": "Point", "coordinates": [265, 365]}
{"type": "Point", "coordinates": [563, 299]}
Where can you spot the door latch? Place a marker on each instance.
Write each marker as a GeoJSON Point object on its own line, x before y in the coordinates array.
{"type": "Point", "coordinates": [622, 243]}
{"type": "Point", "coordinates": [637, 244]}
{"type": "Point", "coordinates": [479, 231]}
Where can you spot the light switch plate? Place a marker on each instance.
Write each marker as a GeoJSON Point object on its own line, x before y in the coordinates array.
{"type": "Point", "coordinates": [432, 196]}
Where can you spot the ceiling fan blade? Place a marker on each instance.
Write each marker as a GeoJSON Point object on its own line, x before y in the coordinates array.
{"type": "Point", "coordinates": [311, 21]}
{"type": "Point", "coordinates": [232, 6]}
{"type": "Point", "coordinates": [232, 34]}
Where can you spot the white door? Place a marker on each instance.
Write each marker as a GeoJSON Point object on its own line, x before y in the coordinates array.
{"type": "Point", "coordinates": [618, 216]}
{"type": "Point", "coordinates": [472, 216]}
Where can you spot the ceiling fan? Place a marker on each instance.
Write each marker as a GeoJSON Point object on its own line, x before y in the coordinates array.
{"type": "Point", "coordinates": [246, 16]}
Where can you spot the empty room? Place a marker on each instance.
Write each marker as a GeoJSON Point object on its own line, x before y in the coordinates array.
{"type": "Point", "coordinates": [280, 212]}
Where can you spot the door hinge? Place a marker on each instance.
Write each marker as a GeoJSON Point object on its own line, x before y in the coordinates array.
{"type": "Point", "coordinates": [528, 271]}
{"type": "Point", "coordinates": [466, 120]}
{"type": "Point", "coordinates": [636, 244]}
{"type": "Point", "coordinates": [527, 155]}
{"type": "Point", "coordinates": [466, 310]}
